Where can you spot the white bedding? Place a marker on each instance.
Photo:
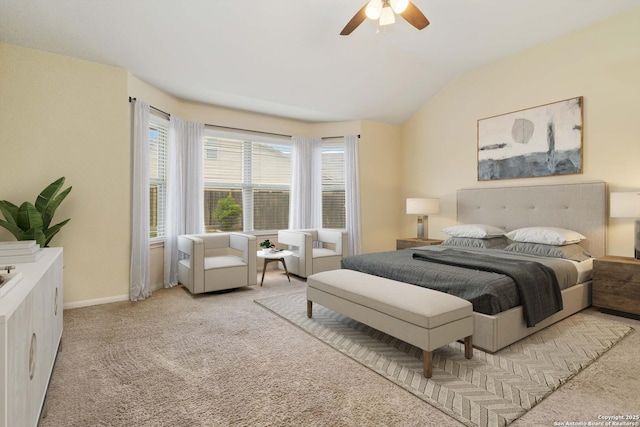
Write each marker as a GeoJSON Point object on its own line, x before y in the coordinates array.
{"type": "Point", "coordinates": [584, 268]}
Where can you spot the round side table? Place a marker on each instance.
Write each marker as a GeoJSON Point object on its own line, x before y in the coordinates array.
{"type": "Point", "coordinates": [274, 256]}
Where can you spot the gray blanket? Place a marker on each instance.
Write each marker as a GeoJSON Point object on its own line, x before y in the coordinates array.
{"type": "Point", "coordinates": [490, 293]}
{"type": "Point", "coordinates": [536, 283]}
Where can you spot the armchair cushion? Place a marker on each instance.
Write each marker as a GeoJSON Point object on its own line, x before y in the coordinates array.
{"type": "Point", "coordinates": [221, 261]}
{"type": "Point", "coordinates": [323, 252]}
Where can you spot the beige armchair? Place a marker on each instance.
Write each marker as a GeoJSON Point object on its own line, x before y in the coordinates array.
{"type": "Point", "coordinates": [313, 250]}
{"type": "Point", "coordinates": [217, 261]}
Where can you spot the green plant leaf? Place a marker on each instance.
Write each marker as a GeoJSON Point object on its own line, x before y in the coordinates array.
{"type": "Point", "coordinates": [9, 210]}
{"type": "Point", "coordinates": [47, 194]}
{"type": "Point", "coordinates": [14, 229]}
{"type": "Point", "coordinates": [52, 231]}
{"type": "Point", "coordinates": [28, 217]}
{"type": "Point", "coordinates": [266, 244]}
{"type": "Point", "coordinates": [50, 210]}
{"type": "Point", "coordinates": [39, 237]}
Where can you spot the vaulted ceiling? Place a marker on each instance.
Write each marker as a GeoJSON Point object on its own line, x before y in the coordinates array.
{"type": "Point", "coordinates": [286, 57]}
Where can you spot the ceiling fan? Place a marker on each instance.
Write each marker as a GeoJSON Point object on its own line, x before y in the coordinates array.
{"type": "Point", "coordinates": [384, 11]}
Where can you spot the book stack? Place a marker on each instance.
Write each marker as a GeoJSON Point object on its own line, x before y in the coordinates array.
{"type": "Point", "coordinates": [21, 251]}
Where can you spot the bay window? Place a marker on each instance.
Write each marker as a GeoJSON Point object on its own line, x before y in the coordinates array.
{"type": "Point", "coordinates": [247, 181]}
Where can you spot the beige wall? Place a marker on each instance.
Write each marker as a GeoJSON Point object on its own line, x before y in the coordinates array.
{"type": "Point", "coordinates": [65, 117]}
{"type": "Point", "coordinates": [382, 205]}
{"type": "Point", "coordinates": [601, 63]}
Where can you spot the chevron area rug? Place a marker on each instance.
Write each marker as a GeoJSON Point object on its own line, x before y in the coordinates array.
{"type": "Point", "coordinates": [488, 390]}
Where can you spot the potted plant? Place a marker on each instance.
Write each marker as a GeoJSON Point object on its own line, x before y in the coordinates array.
{"type": "Point", "coordinates": [266, 246]}
{"type": "Point", "coordinates": [33, 221]}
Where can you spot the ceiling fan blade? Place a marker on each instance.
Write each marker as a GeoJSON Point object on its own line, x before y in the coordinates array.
{"type": "Point", "coordinates": [357, 19]}
{"type": "Point", "coordinates": [414, 17]}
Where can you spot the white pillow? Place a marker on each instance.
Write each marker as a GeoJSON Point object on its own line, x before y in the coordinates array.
{"type": "Point", "coordinates": [545, 235]}
{"type": "Point", "coordinates": [476, 231]}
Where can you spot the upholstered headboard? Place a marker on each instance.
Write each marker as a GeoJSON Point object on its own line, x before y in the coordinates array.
{"type": "Point", "coordinates": [579, 207]}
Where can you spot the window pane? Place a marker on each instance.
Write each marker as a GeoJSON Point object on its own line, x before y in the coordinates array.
{"type": "Point", "coordinates": [222, 209]}
{"type": "Point", "coordinates": [333, 209]}
{"type": "Point", "coordinates": [255, 174]}
{"type": "Point", "coordinates": [270, 164]}
{"type": "Point", "coordinates": [333, 196]}
{"type": "Point", "coordinates": [270, 209]}
{"type": "Point", "coordinates": [157, 177]}
{"type": "Point", "coordinates": [153, 211]}
{"type": "Point", "coordinates": [226, 165]}
{"type": "Point", "coordinates": [211, 149]}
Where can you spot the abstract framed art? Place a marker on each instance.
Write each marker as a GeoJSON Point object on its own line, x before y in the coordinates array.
{"type": "Point", "coordinates": [535, 142]}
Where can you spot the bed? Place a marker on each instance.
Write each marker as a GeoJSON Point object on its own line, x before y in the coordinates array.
{"type": "Point", "coordinates": [579, 207]}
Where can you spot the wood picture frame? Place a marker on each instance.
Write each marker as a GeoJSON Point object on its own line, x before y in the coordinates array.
{"type": "Point", "coordinates": [541, 141]}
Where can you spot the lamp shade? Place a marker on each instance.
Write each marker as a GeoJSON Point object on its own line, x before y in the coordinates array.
{"type": "Point", "coordinates": [625, 205]}
{"type": "Point", "coordinates": [423, 206]}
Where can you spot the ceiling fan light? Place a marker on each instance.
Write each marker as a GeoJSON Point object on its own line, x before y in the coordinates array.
{"type": "Point", "coordinates": [399, 6]}
{"type": "Point", "coordinates": [387, 16]}
{"type": "Point", "coordinates": [373, 9]}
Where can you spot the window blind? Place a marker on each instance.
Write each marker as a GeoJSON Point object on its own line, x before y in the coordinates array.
{"type": "Point", "coordinates": [246, 184]}
{"type": "Point", "coordinates": [158, 138]}
{"type": "Point", "coordinates": [333, 185]}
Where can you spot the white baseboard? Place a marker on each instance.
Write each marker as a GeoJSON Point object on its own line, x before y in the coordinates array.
{"type": "Point", "coordinates": [98, 301]}
{"type": "Point", "coordinates": [105, 300]}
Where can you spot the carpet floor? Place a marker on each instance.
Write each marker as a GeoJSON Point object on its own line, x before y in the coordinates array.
{"type": "Point", "coordinates": [488, 390]}
{"type": "Point", "coordinates": [177, 359]}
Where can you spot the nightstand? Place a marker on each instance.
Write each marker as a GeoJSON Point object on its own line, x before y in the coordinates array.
{"type": "Point", "coordinates": [616, 285]}
{"type": "Point", "coordinates": [412, 242]}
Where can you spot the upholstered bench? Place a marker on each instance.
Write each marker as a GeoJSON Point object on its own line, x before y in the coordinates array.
{"type": "Point", "coordinates": [422, 317]}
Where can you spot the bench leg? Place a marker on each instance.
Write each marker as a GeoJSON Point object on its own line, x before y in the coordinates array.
{"type": "Point", "coordinates": [309, 309]}
{"type": "Point", "coordinates": [468, 347]}
{"type": "Point", "coordinates": [427, 368]}
{"type": "Point", "coordinates": [427, 356]}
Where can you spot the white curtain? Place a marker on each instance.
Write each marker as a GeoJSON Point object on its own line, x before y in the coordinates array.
{"type": "Point", "coordinates": [185, 190]}
{"type": "Point", "coordinates": [305, 206]}
{"type": "Point", "coordinates": [352, 193]}
{"type": "Point", "coordinates": [139, 278]}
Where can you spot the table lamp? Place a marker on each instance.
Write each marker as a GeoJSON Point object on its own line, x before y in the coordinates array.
{"type": "Point", "coordinates": [627, 205]}
{"type": "Point", "coordinates": [422, 208]}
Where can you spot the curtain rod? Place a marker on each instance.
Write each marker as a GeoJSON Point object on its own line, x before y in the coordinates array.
{"type": "Point", "coordinates": [151, 106]}
{"type": "Point", "coordinates": [247, 130]}
{"type": "Point", "coordinates": [232, 128]}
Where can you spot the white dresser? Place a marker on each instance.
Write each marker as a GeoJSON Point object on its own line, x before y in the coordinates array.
{"type": "Point", "coordinates": [30, 332]}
